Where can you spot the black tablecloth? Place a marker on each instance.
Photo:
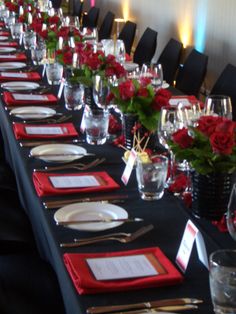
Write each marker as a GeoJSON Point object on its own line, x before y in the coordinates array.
{"type": "Point", "coordinates": [168, 215]}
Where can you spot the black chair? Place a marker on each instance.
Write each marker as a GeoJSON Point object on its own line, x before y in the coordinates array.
{"type": "Point", "coordinates": [90, 20]}
{"type": "Point", "coordinates": [192, 73]}
{"type": "Point", "coordinates": [146, 47]}
{"type": "Point", "coordinates": [225, 85]}
{"type": "Point", "coordinates": [77, 8]}
{"type": "Point", "coordinates": [56, 4]}
{"type": "Point", "coordinates": [28, 285]}
{"type": "Point", "coordinates": [169, 59]}
{"type": "Point", "coordinates": [106, 26]}
{"type": "Point", "coordinates": [127, 34]}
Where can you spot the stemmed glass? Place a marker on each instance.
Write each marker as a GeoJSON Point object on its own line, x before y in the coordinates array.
{"type": "Point", "coordinates": [218, 105]}
{"type": "Point", "coordinates": [100, 91]}
{"type": "Point", "coordinates": [231, 213]}
{"type": "Point", "coordinates": [157, 75]}
{"type": "Point", "coordinates": [166, 127]}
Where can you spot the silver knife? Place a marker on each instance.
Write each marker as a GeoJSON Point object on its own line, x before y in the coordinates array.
{"type": "Point", "coordinates": [108, 220]}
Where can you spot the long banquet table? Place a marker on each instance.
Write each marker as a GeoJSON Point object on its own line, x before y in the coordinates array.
{"type": "Point", "coordinates": [168, 215]}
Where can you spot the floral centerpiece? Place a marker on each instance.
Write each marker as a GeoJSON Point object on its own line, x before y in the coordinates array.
{"type": "Point", "coordinates": [210, 149]}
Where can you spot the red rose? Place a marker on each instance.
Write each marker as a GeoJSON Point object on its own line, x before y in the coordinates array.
{"type": "Point", "coordinates": [54, 19]}
{"type": "Point", "coordinates": [226, 126]}
{"type": "Point", "coordinates": [161, 99]}
{"type": "Point", "coordinates": [180, 184]}
{"type": "Point", "coordinates": [110, 97]}
{"type": "Point", "coordinates": [207, 124]}
{"type": "Point", "coordinates": [222, 142]}
{"type": "Point", "coordinates": [68, 57]}
{"type": "Point", "coordinates": [182, 138]}
{"type": "Point", "coordinates": [126, 90]}
{"type": "Point", "coordinates": [144, 81]}
{"type": "Point", "coordinates": [143, 92]}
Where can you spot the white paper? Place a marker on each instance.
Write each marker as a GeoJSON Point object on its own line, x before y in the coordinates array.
{"type": "Point", "coordinates": [121, 267]}
{"type": "Point", "coordinates": [44, 130]}
{"type": "Point", "coordinates": [129, 167]}
{"type": "Point", "coordinates": [11, 74]}
{"type": "Point", "coordinates": [176, 101]}
{"type": "Point", "coordinates": [8, 56]}
{"type": "Point", "coordinates": [74, 181]}
{"type": "Point", "coordinates": [4, 43]}
{"type": "Point", "coordinates": [29, 97]}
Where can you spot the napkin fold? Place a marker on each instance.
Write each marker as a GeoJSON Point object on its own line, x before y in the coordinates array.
{"type": "Point", "coordinates": [26, 76]}
{"type": "Point", "coordinates": [85, 282]}
{"type": "Point", "coordinates": [19, 130]}
{"type": "Point", "coordinates": [13, 57]}
{"type": "Point", "coordinates": [9, 100]}
{"type": "Point", "coordinates": [44, 186]}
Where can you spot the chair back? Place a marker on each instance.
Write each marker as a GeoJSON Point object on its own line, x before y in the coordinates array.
{"type": "Point", "coordinates": [146, 47]}
{"type": "Point", "coordinates": [91, 19]}
{"type": "Point", "coordinates": [169, 59]}
{"type": "Point", "coordinates": [192, 74]}
{"type": "Point", "coordinates": [127, 34]}
{"type": "Point", "coordinates": [106, 26]}
{"type": "Point", "coordinates": [56, 4]}
{"type": "Point", "coordinates": [77, 8]}
{"type": "Point", "coordinates": [225, 85]}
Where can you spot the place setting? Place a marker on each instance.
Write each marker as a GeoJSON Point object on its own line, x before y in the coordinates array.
{"type": "Point", "coordinates": [19, 76]}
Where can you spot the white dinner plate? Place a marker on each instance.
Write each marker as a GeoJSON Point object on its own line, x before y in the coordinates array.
{"type": "Point", "coordinates": [11, 65]}
{"type": "Point", "coordinates": [3, 37]}
{"type": "Point", "coordinates": [33, 112]}
{"type": "Point", "coordinates": [23, 85]}
{"type": "Point", "coordinates": [89, 211]}
{"type": "Point", "coordinates": [130, 66]}
{"type": "Point", "coordinates": [7, 49]}
{"type": "Point", "coordinates": [61, 153]}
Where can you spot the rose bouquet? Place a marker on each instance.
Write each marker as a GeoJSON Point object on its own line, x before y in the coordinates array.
{"type": "Point", "coordinates": [210, 147]}
{"type": "Point", "coordinates": [139, 97]}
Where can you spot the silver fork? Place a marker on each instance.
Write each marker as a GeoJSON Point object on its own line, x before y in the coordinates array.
{"type": "Point", "coordinates": [123, 238]}
{"type": "Point", "coordinates": [78, 166]}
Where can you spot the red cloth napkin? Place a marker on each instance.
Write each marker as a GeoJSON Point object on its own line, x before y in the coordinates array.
{"type": "Point", "coordinates": [44, 186]}
{"type": "Point", "coordinates": [85, 282]}
{"type": "Point", "coordinates": [9, 99]}
{"type": "Point", "coordinates": [8, 44]}
{"type": "Point", "coordinates": [191, 99]}
{"type": "Point", "coordinates": [17, 57]}
{"type": "Point", "coordinates": [30, 76]}
{"type": "Point", "coordinates": [4, 33]}
{"type": "Point", "coordinates": [20, 131]}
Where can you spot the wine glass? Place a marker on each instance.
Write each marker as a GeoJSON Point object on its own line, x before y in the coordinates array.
{"type": "Point", "coordinates": [218, 105]}
{"type": "Point", "coordinates": [166, 127]}
{"type": "Point", "coordinates": [157, 75]}
{"type": "Point", "coordinates": [231, 213]}
{"type": "Point", "coordinates": [120, 51]}
{"type": "Point", "coordinates": [100, 91]}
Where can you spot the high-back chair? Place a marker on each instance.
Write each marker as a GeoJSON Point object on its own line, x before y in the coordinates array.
{"type": "Point", "coordinates": [146, 47]}
{"type": "Point", "coordinates": [77, 8]}
{"type": "Point", "coordinates": [127, 34]}
{"type": "Point", "coordinates": [192, 74]}
{"type": "Point", "coordinates": [91, 19]}
{"type": "Point", "coordinates": [169, 59]}
{"type": "Point", "coordinates": [56, 4]}
{"type": "Point", "coordinates": [226, 85]}
{"type": "Point", "coordinates": [106, 26]}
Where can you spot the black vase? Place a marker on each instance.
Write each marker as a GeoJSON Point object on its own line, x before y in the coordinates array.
{"type": "Point", "coordinates": [210, 194]}
{"type": "Point", "coordinates": [129, 121]}
{"type": "Point", "coordinates": [88, 98]}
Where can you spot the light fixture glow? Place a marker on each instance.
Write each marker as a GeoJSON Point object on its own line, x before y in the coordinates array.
{"type": "Point", "coordinates": [125, 9]}
{"type": "Point", "coordinates": [200, 25]}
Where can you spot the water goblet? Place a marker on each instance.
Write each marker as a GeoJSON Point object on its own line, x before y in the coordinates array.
{"type": "Point", "coordinates": [54, 72]}
{"type": "Point", "coordinates": [29, 39]}
{"type": "Point", "coordinates": [73, 95]}
{"type": "Point", "coordinates": [16, 30]}
{"type": "Point", "coordinates": [231, 213]}
{"type": "Point", "coordinates": [120, 51]}
{"type": "Point", "coordinates": [218, 105]}
{"type": "Point", "coordinates": [157, 75]}
{"type": "Point", "coordinates": [100, 91]}
{"type": "Point", "coordinates": [38, 54]}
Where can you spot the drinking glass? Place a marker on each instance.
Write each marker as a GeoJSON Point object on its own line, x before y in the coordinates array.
{"type": "Point", "coordinates": [100, 91]}
{"type": "Point", "coordinates": [231, 213]}
{"type": "Point", "coordinates": [54, 72]}
{"type": "Point", "coordinates": [16, 30]}
{"type": "Point", "coordinates": [73, 95]}
{"type": "Point", "coordinates": [157, 75]}
{"type": "Point", "coordinates": [96, 125]}
{"type": "Point", "coordinates": [151, 178]}
{"type": "Point", "coordinates": [218, 105]}
{"type": "Point", "coordinates": [38, 54]}
{"type": "Point", "coordinates": [29, 39]}
{"type": "Point", "coordinates": [166, 127]}
{"type": "Point", "coordinates": [120, 51]}
{"type": "Point", "coordinates": [223, 281]}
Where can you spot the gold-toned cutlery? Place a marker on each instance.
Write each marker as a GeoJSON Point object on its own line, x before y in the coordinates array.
{"type": "Point", "coordinates": [103, 220]}
{"type": "Point", "coordinates": [30, 143]}
{"type": "Point", "coordinates": [47, 120]}
{"type": "Point", "coordinates": [114, 198]}
{"type": "Point", "coordinates": [120, 237]}
{"type": "Point", "coordinates": [162, 309]}
{"type": "Point", "coordinates": [144, 305]}
{"type": "Point", "coordinates": [78, 166]}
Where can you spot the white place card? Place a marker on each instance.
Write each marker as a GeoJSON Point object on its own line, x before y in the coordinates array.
{"type": "Point", "coordinates": [176, 101]}
{"type": "Point", "coordinates": [8, 56]}
{"type": "Point", "coordinates": [129, 167]}
{"type": "Point", "coordinates": [44, 130]}
{"type": "Point", "coordinates": [121, 267]}
{"type": "Point", "coordinates": [73, 181]}
{"type": "Point", "coordinates": [60, 90]}
{"type": "Point", "coordinates": [4, 43]}
{"type": "Point", "coordinates": [29, 97]}
{"type": "Point", "coordinates": [11, 74]}
{"type": "Point", "coordinates": [191, 233]}
{"type": "Point", "coordinates": [82, 124]}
